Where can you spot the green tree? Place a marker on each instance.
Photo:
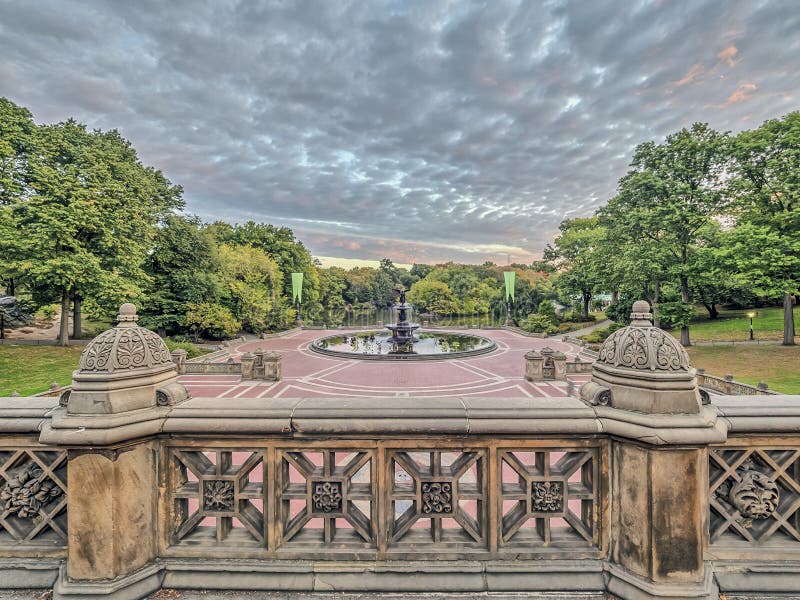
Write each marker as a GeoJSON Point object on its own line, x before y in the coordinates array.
{"type": "Point", "coordinates": [183, 266]}
{"type": "Point", "coordinates": [210, 318]}
{"type": "Point", "coordinates": [672, 193]}
{"type": "Point", "coordinates": [767, 165]}
{"type": "Point", "coordinates": [574, 255]}
{"type": "Point", "coordinates": [84, 221]}
{"type": "Point", "coordinates": [253, 283]}
{"type": "Point", "coordinates": [432, 296]}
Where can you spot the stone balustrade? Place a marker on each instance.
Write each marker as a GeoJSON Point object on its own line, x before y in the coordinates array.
{"type": "Point", "coordinates": [636, 488]}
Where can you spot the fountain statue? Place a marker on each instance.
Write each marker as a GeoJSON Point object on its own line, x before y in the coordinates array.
{"type": "Point", "coordinates": [403, 329]}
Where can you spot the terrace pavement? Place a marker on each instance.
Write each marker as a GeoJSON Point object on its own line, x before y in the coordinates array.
{"type": "Point", "coordinates": [307, 374]}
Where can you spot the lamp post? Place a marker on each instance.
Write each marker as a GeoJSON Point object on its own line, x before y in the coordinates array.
{"type": "Point", "coordinates": [751, 315]}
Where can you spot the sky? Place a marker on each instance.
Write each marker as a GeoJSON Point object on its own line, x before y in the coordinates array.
{"type": "Point", "coordinates": [422, 131]}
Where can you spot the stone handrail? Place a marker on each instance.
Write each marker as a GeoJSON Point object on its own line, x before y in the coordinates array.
{"type": "Point", "coordinates": [728, 386]}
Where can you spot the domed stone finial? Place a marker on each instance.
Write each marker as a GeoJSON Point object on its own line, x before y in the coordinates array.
{"type": "Point", "coordinates": [644, 369]}
{"type": "Point", "coordinates": [127, 314]}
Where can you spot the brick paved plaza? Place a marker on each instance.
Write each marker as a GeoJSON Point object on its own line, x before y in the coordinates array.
{"type": "Point", "coordinates": [307, 374]}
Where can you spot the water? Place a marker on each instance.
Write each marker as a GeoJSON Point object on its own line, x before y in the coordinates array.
{"type": "Point", "coordinates": [375, 343]}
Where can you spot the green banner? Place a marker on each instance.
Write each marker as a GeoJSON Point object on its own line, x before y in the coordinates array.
{"type": "Point", "coordinates": [509, 275]}
{"type": "Point", "coordinates": [297, 287]}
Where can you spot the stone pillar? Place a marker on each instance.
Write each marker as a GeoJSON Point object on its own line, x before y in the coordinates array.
{"type": "Point", "coordinates": [559, 366]}
{"type": "Point", "coordinates": [258, 363]}
{"type": "Point", "coordinates": [643, 386]}
{"type": "Point", "coordinates": [248, 364]}
{"type": "Point", "coordinates": [272, 366]}
{"type": "Point", "coordinates": [534, 365]}
{"type": "Point", "coordinates": [123, 390]}
{"type": "Point", "coordinates": [179, 358]}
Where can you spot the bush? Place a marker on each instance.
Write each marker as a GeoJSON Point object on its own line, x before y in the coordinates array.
{"type": "Point", "coordinates": [212, 319]}
{"type": "Point", "coordinates": [547, 309]}
{"type": "Point", "coordinates": [600, 335]}
{"type": "Point", "coordinates": [47, 312]}
{"type": "Point", "coordinates": [574, 316]}
{"type": "Point", "coordinates": [192, 351]}
{"type": "Point", "coordinates": [537, 323]}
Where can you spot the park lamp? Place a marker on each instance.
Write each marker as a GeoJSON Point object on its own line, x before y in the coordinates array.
{"type": "Point", "coordinates": [751, 314]}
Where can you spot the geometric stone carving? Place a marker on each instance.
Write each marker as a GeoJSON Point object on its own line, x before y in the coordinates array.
{"type": "Point", "coordinates": [549, 494]}
{"type": "Point", "coordinates": [443, 487]}
{"type": "Point", "coordinates": [33, 496]}
{"type": "Point", "coordinates": [327, 496]}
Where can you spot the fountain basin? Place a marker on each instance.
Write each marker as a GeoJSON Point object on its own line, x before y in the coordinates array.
{"type": "Point", "coordinates": [377, 345]}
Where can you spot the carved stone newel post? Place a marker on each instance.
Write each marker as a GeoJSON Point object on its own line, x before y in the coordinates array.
{"type": "Point", "coordinates": [123, 389]}
{"type": "Point", "coordinates": [643, 381]}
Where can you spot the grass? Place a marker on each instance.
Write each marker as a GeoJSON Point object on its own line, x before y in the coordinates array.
{"type": "Point", "coordinates": [734, 325]}
{"type": "Point", "coordinates": [31, 369]}
{"type": "Point", "coordinates": [778, 366]}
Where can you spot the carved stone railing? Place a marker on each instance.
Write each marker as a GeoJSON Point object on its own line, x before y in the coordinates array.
{"type": "Point", "coordinates": [729, 387]}
{"type": "Point", "coordinates": [389, 499]}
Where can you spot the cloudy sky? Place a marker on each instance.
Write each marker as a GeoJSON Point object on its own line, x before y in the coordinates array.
{"type": "Point", "coordinates": [423, 130]}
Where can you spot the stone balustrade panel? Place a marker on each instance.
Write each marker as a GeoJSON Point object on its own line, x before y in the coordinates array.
{"type": "Point", "coordinates": [386, 499]}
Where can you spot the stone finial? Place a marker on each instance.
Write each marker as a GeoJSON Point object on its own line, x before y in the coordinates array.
{"type": "Point", "coordinates": [127, 314]}
{"type": "Point", "coordinates": [640, 315]}
{"type": "Point", "coordinates": [643, 368]}
{"type": "Point", "coordinates": [121, 370]}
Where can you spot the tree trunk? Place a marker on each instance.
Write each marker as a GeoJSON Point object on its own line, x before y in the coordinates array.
{"type": "Point", "coordinates": [788, 320]}
{"type": "Point", "coordinates": [614, 297]}
{"type": "Point", "coordinates": [656, 294]}
{"type": "Point", "coordinates": [2, 325]}
{"type": "Point", "coordinates": [10, 287]}
{"type": "Point", "coordinates": [77, 324]}
{"type": "Point", "coordinates": [63, 334]}
{"type": "Point", "coordinates": [587, 298]}
{"type": "Point", "coordinates": [713, 313]}
{"type": "Point", "coordinates": [685, 298]}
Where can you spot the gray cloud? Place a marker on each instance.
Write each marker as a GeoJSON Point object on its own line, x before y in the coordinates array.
{"type": "Point", "coordinates": [422, 131]}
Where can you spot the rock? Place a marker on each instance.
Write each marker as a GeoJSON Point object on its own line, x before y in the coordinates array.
{"type": "Point", "coordinates": [13, 313]}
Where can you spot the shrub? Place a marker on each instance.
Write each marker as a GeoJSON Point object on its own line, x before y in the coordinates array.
{"type": "Point", "coordinates": [212, 319]}
{"type": "Point", "coordinates": [47, 312]}
{"type": "Point", "coordinates": [547, 309]}
{"type": "Point", "coordinates": [192, 351]}
{"type": "Point", "coordinates": [537, 323]}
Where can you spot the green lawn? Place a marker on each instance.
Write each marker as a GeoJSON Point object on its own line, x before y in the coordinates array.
{"type": "Point", "coordinates": [734, 325]}
{"type": "Point", "coordinates": [31, 369]}
{"type": "Point", "coordinates": [778, 366]}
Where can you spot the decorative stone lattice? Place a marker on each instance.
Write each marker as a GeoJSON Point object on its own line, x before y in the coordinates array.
{"type": "Point", "coordinates": [211, 490]}
{"type": "Point", "coordinates": [438, 485]}
{"type": "Point", "coordinates": [754, 494]}
{"type": "Point", "coordinates": [127, 346]}
{"type": "Point", "coordinates": [556, 488]}
{"type": "Point", "coordinates": [33, 496]}
{"type": "Point", "coordinates": [329, 485]}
